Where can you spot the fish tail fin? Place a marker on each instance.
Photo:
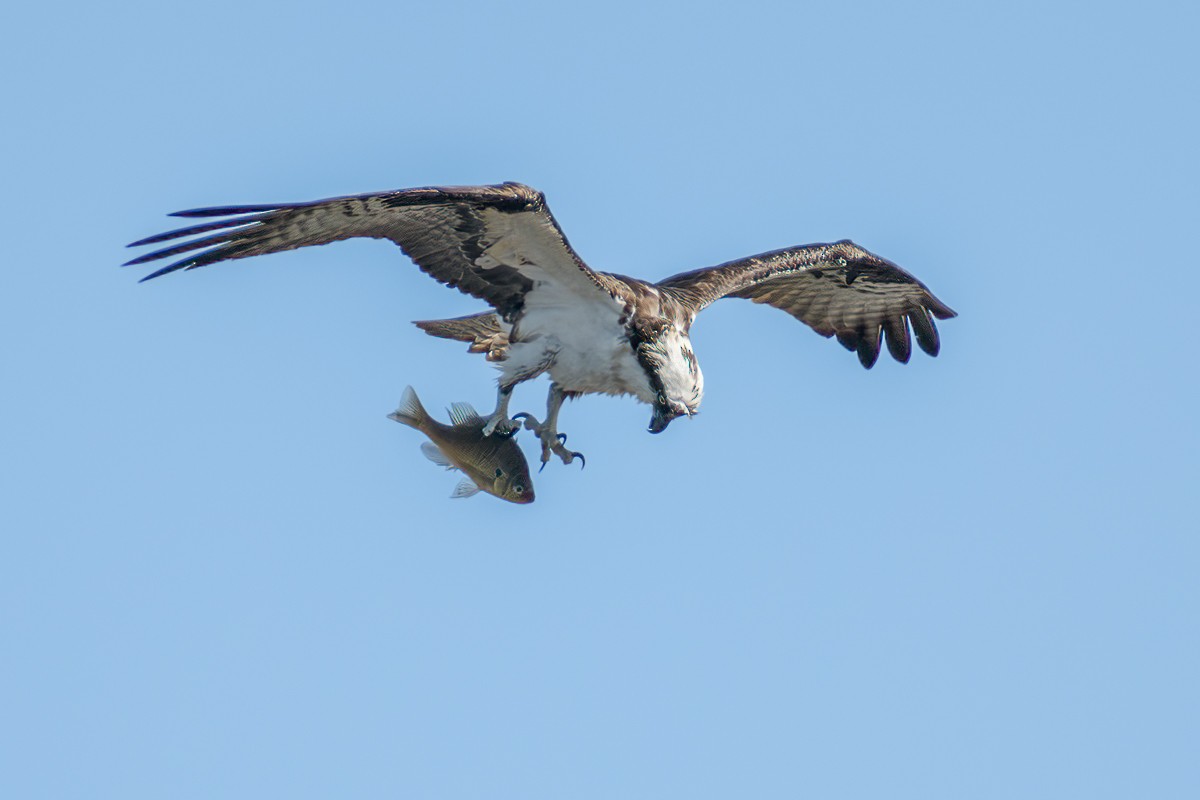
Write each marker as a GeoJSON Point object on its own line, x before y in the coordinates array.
{"type": "Point", "coordinates": [410, 411]}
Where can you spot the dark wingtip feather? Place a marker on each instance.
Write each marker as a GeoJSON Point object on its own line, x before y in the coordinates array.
{"type": "Point", "coordinates": [899, 343]}
{"type": "Point", "coordinates": [222, 239]}
{"type": "Point", "coordinates": [202, 259]}
{"type": "Point", "coordinates": [192, 230]}
{"type": "Point", "coordinates": [868, 348]}
{"type": "Point", "coordinates": [943, 312]}
{"type": "Point", "coordinates": [226, 211]}
{"type": "Point", "coordinates": [938, 308]}
{"type": "Point", "coordinates": [926, 331]}
{"type": "Point", "coordinates": [165, 270]}
{"type": "Point", "coordinates": [142, 259]}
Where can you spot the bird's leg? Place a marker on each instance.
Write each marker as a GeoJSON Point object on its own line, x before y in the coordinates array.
{"type": "Point", "coordinates": [552, 440]}
{"type": "Point", "coordinates": [499, 422]}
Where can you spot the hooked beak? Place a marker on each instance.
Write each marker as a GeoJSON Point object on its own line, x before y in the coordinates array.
{"type": "Point", "coordinates": [662, 418]}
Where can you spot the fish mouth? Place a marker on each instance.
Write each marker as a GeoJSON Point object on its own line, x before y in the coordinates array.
{"type": "Point", "coordinates": [523, 499]}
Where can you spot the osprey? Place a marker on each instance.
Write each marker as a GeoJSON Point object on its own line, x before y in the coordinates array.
{"type": "Point", "coordinates": [593, 332]}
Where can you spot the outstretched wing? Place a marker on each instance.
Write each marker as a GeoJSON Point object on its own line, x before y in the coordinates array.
{"type": "Point", "coordinates": [836, 289]}
{"type": "Point", "coordinates": [492, 242]}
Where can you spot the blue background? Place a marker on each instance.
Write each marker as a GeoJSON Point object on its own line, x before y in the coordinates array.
{"type": "Point", "coordinates": [226, 574]}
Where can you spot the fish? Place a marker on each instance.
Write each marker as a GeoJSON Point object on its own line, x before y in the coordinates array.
{"type": "Point", "coordinates": [493, 464]}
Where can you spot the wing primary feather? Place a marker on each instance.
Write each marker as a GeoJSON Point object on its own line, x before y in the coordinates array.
{"type": "Point", "coordinates": [899, 343]}
{"type": "Point", "coordinates": [233, 249]}
{"type": "Point", "coordinates": [868, 347]}
{"type": "Point", "coordinates": [194, 229]}
{"type": "Point", "coordinates": [219, 253]}
{"type": "Point", "coordinates": [195, 244]}
{"type": "Point", "coordinates": [159, 273]}
{"type": "Point", "coordinates": [923, 327]}
{"type": "Point", "coordinates": [226, 211]}
{"type": "Point", "coordinates": [167, 270]}
{"type": "Point", "coordinates": [940, 309]}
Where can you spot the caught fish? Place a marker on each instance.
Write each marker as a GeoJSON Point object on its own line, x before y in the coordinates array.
{"type": "Point", "coordinates": [494, 464]}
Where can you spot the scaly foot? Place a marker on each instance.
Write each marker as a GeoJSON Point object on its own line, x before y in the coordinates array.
{"type": "Point", "coordinates": [552, 441]}
{"type": "Point", "coordinates": [501, 425]}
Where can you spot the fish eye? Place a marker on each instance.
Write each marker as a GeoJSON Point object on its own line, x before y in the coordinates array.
{"type": "Point", "coordinates": [519, 489]}
{"type": "Point", "coordinates": [499, 472]}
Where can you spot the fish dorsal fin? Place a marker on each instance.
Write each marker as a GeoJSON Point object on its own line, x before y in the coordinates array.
{"type": "Point", "coordinates": [466, 487]}
{"type": "Point", "coordinates": [435, 454]}
{"type": "Point", "coordinates": [463, 414]}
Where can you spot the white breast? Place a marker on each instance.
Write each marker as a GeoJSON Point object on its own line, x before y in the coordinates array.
{"type": "Point", "coordinates": [584, 344]}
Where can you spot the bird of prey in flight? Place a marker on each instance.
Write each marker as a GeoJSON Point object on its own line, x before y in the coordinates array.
{"type": "Point", "coordinates": [593, 332]}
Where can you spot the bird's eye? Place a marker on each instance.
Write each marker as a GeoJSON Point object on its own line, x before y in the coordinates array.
{"type": "Point", "coordinates": [499, 472]}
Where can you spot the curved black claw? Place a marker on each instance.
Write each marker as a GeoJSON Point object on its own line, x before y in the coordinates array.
{"type": "Point", "coordinates": [562, 438]}
{"type": "Point", "coordinates": [521, 415]}
{"type": "Point", "coordinates": [582, 460]}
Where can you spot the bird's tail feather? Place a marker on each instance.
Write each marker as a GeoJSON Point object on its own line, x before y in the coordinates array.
{"type": "Point", "coordinates": [471, 328]}
{"type": "Point", "coordinates": [484, 333]}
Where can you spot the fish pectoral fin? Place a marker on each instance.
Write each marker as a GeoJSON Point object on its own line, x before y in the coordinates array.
{"type": "Point", "coordinates": [466, 488]}
{"type": "Point", "coordinates": [463, 414]}
{"type": "Point", "coordinates": [435, 454]}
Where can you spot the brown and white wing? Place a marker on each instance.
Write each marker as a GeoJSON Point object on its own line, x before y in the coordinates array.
{"type": "Point", "coordinates": [836, 289]}
{"type": "Point", "coordinates": [492, 242]}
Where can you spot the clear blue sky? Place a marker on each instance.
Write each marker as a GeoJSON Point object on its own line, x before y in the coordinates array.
{"type": "Point", "coordinates": [226, 574]}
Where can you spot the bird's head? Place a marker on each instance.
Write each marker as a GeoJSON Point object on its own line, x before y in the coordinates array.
{"type": "Point", "coordinates": [674, 377]}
